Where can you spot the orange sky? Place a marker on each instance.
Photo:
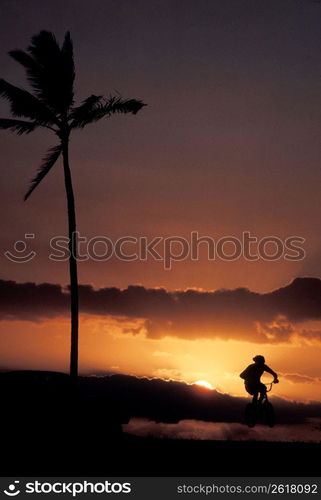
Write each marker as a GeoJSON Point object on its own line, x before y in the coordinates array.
{"type": "Point", "coordinates": [105, 348]}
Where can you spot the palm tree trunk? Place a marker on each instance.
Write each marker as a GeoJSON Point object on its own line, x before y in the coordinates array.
{"type": "Point", "coordinates": [72, 262]}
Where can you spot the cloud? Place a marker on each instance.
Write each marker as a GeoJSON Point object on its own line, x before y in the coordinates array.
{"type": "Point", "coordinates": [30, 301]}
{"type": "Point", "coordinates": [311, 265]}
{"type": "Point", "coordinates": [296, 378]}
{"type": "Point", "coordinates": [162, 354]}
{"type": "Point", "coordinates": [241, 314]}
{"type": "Point", "coordinates": [222, 431]}
{"type": "Point", "coordinates": [170, 373]}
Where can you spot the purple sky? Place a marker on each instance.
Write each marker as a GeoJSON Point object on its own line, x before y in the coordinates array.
{"type": "Point", "coordinates": [230, 140]}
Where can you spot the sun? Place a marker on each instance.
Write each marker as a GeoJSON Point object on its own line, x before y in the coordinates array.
{"type": "Point", "coordinates": [205, 384]}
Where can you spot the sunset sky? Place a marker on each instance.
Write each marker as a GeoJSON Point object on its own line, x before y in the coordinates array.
{"type": "Point", "coordinates": [229, 142]}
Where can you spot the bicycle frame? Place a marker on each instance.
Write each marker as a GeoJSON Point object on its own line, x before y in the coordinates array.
{"type": "Point", "coordinates": [260, 410]}
{"type": "Point", "coordinates": [255, 397]}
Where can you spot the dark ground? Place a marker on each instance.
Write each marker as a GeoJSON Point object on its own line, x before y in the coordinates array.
{"type": "Point", "coordinates": [135, 456]}
{"type": "Point", "coordinates": [47, 430]}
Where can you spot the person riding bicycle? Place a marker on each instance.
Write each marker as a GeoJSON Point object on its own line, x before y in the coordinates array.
{"type": "Point", "coordinates": [252, 375]}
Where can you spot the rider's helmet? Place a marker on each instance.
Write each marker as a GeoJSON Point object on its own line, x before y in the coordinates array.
{"type": "Point", "coordinates": [259, 359]}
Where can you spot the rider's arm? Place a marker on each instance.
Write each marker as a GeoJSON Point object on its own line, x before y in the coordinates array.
{"type": "Point", "coordinates": [244, 374]}
{"type": "Point", "coordinates": [269, 370]}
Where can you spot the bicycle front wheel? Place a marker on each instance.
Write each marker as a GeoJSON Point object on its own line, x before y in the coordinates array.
{"type": "Point", "coordinates": [269, 414]}
{"type": "Point", "coordinates": [250, 414]}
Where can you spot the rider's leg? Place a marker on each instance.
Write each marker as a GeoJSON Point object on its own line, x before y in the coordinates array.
{"type": "Point", "coordinates": [262, 392]}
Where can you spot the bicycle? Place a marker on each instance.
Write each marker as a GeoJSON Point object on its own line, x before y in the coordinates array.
{"type": "Point", "coordinates": [263, 410]}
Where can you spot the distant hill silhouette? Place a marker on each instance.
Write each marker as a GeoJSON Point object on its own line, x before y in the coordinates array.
{"type": "Point", "coordinates": [171, 401]}
{"type": "Point", "coordinates": [129, 396]}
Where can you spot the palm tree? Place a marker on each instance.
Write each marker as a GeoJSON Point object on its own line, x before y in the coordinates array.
{"type": "Point", "coordinates": [51, 72]}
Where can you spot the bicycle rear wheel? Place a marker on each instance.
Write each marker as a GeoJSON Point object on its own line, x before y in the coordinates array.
{"type": "Point", "coordinates": [250, 414]}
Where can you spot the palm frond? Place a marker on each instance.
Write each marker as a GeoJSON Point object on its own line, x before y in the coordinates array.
{"type": "Point", "coordinates": [25, 60]}
{"type": "Point", "coordinates": [80, 114]}
{"type": "Point", "coordinates": [50, 70]}
{"type": "Point", "coordinates": [44, 47]}
{"type": "Point", "coordinates": [25, 104]}
{"type": "Point", "coordinates": [48, 162]}
{"type": "Point", "coordinates": [104, 108]}
{"type": "Point", "coordinates": [18, 126]}
{"type": "Point", "coordinates": [34, 70]}
{"type": "Point", "coordinates": [68, 70]}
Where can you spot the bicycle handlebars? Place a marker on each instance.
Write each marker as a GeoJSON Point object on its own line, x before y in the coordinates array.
{"type": "Point", "coordinates": [269, 384]}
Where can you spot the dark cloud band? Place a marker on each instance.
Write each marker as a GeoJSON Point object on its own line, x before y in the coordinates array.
{"type": "Point", "coordinates": [236, 314]}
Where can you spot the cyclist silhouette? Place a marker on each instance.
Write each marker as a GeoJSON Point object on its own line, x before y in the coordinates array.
{"type": "Point", "coordinates": [252, 375]}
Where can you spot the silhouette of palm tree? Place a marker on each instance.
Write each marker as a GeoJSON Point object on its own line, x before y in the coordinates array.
{"type": "Point", "coordinates": [51, 72]}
